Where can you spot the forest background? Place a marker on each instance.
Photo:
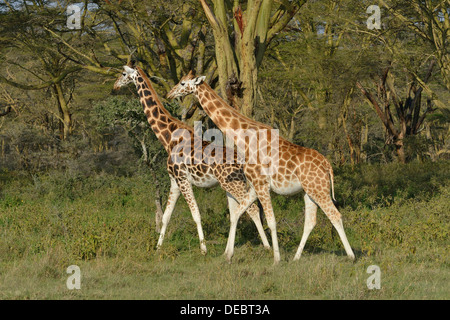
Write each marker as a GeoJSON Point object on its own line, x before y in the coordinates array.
{"type": "Point", "coordinates": [83, 177]}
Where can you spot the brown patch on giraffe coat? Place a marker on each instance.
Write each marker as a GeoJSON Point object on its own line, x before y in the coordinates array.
{"type": "Point", "coordinates": [290, 165]}
{"type": "Point", "coordinates": [163, 118]}
{"type": "Point", "coordinates": [244, 126]}
{"type": "Point", "coordinates": [150, 102]}
{"type": "Point", "coordinates": [166, 136]}
{"type": "Point", "coordinates": [211, 107]}
{"type": "Point", "coordinates": [301, 157]}
{"type": "Point", "coordinates": [155, 113]}
{"type": "Point", "coordinates": [162, 126]}
{"type": "Point", "coordinates": [226, 114]}
{"type": "Point", "coordinates": [172, 127]}
{"type": "Point", "coordinates": [234, 124]}
{"type": "Point", "coordinates": [221, 122]}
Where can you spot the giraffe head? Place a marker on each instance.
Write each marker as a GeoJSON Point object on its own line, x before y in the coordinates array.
{"type": "Point", "coordinates": [187, 85]}
{"type": "Point", "coordinates": [128, 75]}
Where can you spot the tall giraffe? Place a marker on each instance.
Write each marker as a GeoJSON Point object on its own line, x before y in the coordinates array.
{"type": "Point", "coordinates": [203, 174]}
{"type": "Point", "coordinates": [298, 168]}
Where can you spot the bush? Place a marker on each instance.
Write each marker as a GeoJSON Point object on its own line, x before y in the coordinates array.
{"type": "Point", "coordinates": [374, 186]}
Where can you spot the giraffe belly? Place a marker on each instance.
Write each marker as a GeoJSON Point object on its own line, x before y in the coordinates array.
{"type": "Point", "coordinates": [206, 181]}
{"type": "Point", "coordinates": [286, 187]}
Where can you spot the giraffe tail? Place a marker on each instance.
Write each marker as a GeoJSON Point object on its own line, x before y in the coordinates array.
{"type": "Point", "coordinates": [330, 171]}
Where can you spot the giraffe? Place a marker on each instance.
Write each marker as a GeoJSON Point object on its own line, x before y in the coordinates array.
{"type": "Point", "coordinates": [183, 175]}
{"type": "Point", "coordinates": [297, 168]}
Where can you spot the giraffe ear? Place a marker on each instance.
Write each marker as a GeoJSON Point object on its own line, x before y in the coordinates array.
{"type": "Point", "coordinates": [199, 80]}
{"type": "Point", "coordinates": [128, 69]}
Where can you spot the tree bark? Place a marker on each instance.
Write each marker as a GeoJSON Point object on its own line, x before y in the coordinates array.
{"type": "Point", "coordinates": [64, 112]}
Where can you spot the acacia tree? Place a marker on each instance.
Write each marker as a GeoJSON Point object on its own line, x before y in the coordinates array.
{"type": "Point", "coordinates": [410, 112]}
{"type": "Point", "coordinates": [167, 39]}
{"type": "Point", "coordinates": [242, 32]}
{"type": "Point", "coordinates": [33, 54]}
{"type": "Point", "coordinates": [399, 86]}
{"type": "Point", "coordinates": [170, 39]}
{"type": "Point", "coordinates": [429, 20]}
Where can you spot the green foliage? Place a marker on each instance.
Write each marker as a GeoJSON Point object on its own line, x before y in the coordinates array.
{"type": "Point", "coordinates": [87, 216]}
{"type": "Point", "coordinates": [117, 110]}
{"type": "Point", "coordinates": [126, 113]}
{"type": "Point", "coordinates": [373, 186]}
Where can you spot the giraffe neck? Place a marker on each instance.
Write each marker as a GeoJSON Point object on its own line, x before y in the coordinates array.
{"type": "Point", "coordinates": [222, 114]}
{"type": "Point", "coordinates": [161, 121]}
{"type": "Point", "coordinates": [234, 124]}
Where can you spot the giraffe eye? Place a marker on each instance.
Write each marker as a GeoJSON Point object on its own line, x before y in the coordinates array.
{"type": "Point", "coordinates": [182, 83]}
{"type": "Point", "coordinates": [124, 74]}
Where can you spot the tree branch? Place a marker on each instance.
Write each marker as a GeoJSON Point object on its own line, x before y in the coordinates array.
{"type": "Point", "coordinates": [5, 111]}
{"type": "Point", "coordinates": [46, 84]}
{"type": "Point", "coordinates": [386, 122]}
{"type": "Point", "coordinates": [210, 15]}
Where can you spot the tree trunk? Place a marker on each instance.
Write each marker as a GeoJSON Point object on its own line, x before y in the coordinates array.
{"type": "Point", "coordinates": [444, 66]}
{"type": "Point", "coordinates": [249, 77]}
{"type": "Point", "coordinates": [400, 149]}
{"type": "Point", "coordinates": [364, 140]}
{"type": "Point", "coordinates": [64, 113]}
{"type": "Point", "coordinates": [253, 30]}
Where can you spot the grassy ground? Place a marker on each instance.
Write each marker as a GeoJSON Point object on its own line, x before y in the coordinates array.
{"type": "Point", "coordinates": [105, 225]}
{"type": "Point", "coordinates": [252, 276]}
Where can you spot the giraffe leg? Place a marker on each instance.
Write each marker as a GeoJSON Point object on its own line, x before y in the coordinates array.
{"type": "Point", "coordinates": [271, 222]}
{"type": "Point", "coordinates": [232, 205]}
{"type": "Point", "coordinates": [310, 222]}
{"type": "Point", "coordinates": [330, 210]}
{"type": "Point", "coordinates": [234, 218]}
{"type": "Point", "coordinates": [253, 212]}
{"type": "Point", "coordinates": [340, 229]}
{"type": "Point", "coordinates": [234, 198]}
{"type": "Point", "coordinates": [188, 193]}
{"type": "Point", "coordinates": [262, 192]}
{"type": "Point", "coordinates": [171, 201]}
